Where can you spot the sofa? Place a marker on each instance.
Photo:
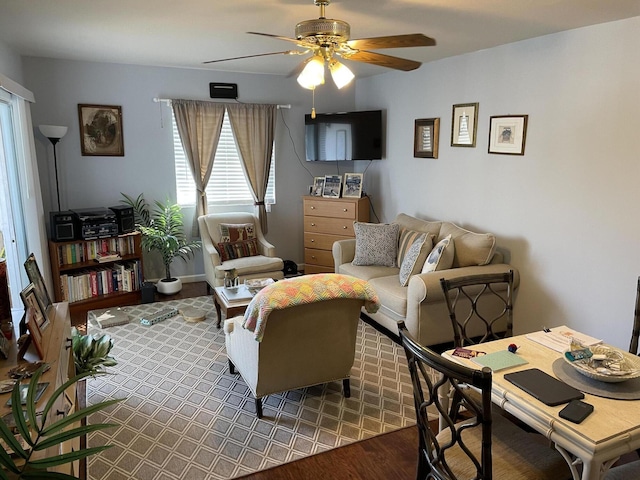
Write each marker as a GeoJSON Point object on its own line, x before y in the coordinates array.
{"type": "Point", "coordinates": [419, 303]}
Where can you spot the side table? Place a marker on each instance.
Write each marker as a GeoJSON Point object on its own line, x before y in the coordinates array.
{"type": "Point", "coordinates": [230, 309]}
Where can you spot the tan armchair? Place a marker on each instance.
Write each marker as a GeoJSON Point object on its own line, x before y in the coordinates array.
{"type": "Point", "coordinates": [303, 345]}
{"type": "Point", "coordinates": [264, 265]}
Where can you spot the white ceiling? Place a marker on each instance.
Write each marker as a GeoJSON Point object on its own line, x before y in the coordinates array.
{"type": "Point", "coordinates": [184, 33]}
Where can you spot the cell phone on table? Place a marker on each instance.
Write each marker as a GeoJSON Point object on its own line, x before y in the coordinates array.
{"type": "Point", "coordinates": [576, 411]}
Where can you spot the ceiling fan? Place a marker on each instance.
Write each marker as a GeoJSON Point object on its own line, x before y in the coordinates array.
{"type": "Point", "coordinates": [327, 38]}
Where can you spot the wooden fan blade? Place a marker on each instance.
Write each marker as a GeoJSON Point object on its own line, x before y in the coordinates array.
{"type": "Point", "coordinates": [393, 41]}
{"type": "Point", "coordinates": [384, 60]}
{"type": "Point", "coordinates": [286, 52]}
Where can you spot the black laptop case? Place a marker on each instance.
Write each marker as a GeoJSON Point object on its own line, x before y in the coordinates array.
{"type": "Point", "coordinates": [549, 390]}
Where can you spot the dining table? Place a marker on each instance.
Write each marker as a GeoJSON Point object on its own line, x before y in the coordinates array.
{"type": "Point", "coordinates": [590, 447]}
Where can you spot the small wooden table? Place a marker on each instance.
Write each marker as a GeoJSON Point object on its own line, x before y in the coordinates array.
{"type": "Point", "coordinates": [230, 309]}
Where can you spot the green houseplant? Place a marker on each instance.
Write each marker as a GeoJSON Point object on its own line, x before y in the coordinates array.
{"type": "Point", "coordinates": [162, 229]}
{"type": "Point", "coordinates": [91, 354]}
{"type": "Point", "coordinates": [40, 433]}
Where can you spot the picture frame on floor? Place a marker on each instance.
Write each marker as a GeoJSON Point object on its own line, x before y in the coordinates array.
{"type": "Point", "coordinates": [425, 137]}
{"type": "Point", "coordinates": [507, 134]}
{"type": "Point", "coordinates": [101, 130]}
{"type": "Point", "coordinates": [332, 186]}
{"type": "Point", "coordinates": [352, 185]}
{"type": "Point", "coordinates": [464, 125]}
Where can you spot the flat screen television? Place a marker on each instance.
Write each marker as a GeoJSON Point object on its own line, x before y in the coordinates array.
{"type": "Point", "coordinates": [334, 137]}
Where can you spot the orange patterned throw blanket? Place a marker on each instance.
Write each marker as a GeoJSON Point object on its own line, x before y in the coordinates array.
{"type": "Point", "coordinates": [302, 290]}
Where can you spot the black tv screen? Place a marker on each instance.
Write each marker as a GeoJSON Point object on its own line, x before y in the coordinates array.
{"type": "Point", "coordinates": [334, 137]}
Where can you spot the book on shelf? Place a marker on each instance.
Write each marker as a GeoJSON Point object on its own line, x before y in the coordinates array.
{"type": "Point", "coordinates": [107, 256]}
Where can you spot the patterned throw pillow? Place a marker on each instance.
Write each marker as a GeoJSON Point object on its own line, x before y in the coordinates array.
{"type": "Point", "coordinates": [376, 244]}
{"type": "Point", "coordinates": [407, 237]}
{"type": "Point", "coordinates": [415, 257]}
{"type": "Point", "coordinates": [441, 257]}
{"type": "Point", "coordinates": [236, 232]}
{"type": "Point", "coordinates": [233, 250]}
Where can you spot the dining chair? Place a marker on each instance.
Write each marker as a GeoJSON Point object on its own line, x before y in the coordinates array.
{"type": "Point", "coordinates": [480, 303]}
{"type": "Point", "coordinates": [482, 446]}
{"type": "Point", "coordinates": [633, 347]}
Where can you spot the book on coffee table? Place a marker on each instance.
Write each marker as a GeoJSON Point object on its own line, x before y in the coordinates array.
{"type": "Point", "coordinates": [237, 294]}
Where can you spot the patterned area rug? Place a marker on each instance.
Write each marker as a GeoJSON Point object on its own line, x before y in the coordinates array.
{"type": "Point", "coordinates": [185, 417]}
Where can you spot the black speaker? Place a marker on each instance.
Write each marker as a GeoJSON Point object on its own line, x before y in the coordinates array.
{"type": "Point", "coordinates": [148, 292]}
{"type": "Point", "coordinates": [63, 226]}
{"type": "Point", "coordinates": [223, 90]}
{"type": "Point", "coordinates": [124, 218]}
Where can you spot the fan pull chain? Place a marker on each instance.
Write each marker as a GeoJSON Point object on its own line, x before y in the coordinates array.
{"type": "Point", "coordinates": [313, 102]}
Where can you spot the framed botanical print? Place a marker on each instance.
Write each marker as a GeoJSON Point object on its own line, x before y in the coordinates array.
{"type": "Point", "coordinates": [425, 137]}
{"type": "Point", "coordinates": [101, 130]}
{"type": "Point", "coordinates": [507, 134]}
{"type": "Point", "coordinates": [464, 125]}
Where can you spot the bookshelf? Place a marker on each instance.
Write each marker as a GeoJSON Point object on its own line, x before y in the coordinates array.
{"type": "Point", "coordinates": [86, 284]}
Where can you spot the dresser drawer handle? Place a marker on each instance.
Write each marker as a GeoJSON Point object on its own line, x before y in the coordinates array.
{"type": "Point", "coordinates": [69, 344]}
{"type": "Point", "coordinates": [345, 210]}
{"type": "Point", "coordinates": [313, 224]}
{"type": "Point", "coordinates": [313, 208]}
{"type": "Point", "coordinates": [313, 256]}
{"type": "Point", "coordinates": [313, 240]}
{"type": "Point", "coordinates": [344, 227]}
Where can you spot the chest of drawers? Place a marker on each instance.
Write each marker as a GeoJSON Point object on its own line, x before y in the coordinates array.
{"type": "Point", "coordinates": [327, 220]}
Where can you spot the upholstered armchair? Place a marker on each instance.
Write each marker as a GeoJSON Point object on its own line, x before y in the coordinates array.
{"type": "Point", "coordinates": [242, 247]}
{"type": "Point", "coordinates": [310, 337]}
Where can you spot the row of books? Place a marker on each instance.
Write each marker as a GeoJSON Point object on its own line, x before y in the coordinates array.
{"type": "Point", "coordinates": [86, 251]}
{"type": "Point", "coordinates": [120, 277]}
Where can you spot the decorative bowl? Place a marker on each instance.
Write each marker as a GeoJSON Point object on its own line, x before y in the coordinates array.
{"type": "Point", "coordinates": [257, 284]}
{"type": "Point", "coordinates": [619, 365]}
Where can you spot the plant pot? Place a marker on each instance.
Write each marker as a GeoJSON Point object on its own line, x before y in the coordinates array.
{"type": "Point", "coordinates": [169, 286]}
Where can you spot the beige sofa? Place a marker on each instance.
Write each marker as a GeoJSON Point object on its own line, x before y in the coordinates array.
{"type": "Point", "coordinates": [421, 304]}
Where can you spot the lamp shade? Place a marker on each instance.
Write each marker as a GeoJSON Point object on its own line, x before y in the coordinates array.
{"type": "Point", "coordinates": [53, 131]}
{"type": "Point", "coordinates": [340, 73]}
{"type": "Point", "coordinates": [313, 73]}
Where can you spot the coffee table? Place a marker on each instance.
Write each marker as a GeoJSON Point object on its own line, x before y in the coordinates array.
{"type": "Point", "coordinates": [229, 308]}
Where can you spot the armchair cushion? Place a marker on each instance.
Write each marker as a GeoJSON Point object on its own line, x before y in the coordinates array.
{"type": "Point", "coordinates": [405, 242]}
{"type": "Point", "coordinates": [376, 244]}
{"type": "Point", "coordinates": [241, 249]}
{"type": "Point", "coordinates": [235, 232]}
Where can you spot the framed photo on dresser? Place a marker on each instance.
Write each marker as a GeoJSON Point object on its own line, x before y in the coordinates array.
{"type": "Point", "coordinates": [352, 185]}
{"type": "Point", "coordinates": [332, 186]}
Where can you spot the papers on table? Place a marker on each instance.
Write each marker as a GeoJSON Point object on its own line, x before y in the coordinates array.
{"type": "Point", "coordinates": [499, 360]}
{"type": "Point", "coordinates": [559, 338]}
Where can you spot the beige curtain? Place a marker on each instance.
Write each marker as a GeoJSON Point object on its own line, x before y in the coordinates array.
{"type": "Point", "coordinates": [254, 128]}
{"type": "Point", "coordinates": [199, 125]}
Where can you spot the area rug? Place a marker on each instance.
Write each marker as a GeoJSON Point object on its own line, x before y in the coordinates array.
{"type": "Point", "coordinates": [184, 416]}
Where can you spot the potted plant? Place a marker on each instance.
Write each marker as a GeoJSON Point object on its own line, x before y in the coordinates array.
{"type": "Point", "coordinates": [42, 431]}
{"type": "Point", "coordinates": [91, 354]}
{"type": "Point", "coordinates": [162, 230]}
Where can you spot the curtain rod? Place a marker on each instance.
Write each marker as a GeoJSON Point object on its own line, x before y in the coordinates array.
{"type": "Point", "coordinates": [168, 102]}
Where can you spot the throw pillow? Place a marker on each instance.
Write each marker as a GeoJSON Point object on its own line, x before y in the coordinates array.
{"type": "Point", "coordinates": [236, 232]}
{"type": "Point", "coordinates": [415, 258]}
{"type": "Point", "coordinates": [407, 237]}
{"type": "Point", "coordinates": [233, 250]}
{"type": "Point", "coordinates": [376, 244]}
{"type": "Point", "coordinates": [441, 257]}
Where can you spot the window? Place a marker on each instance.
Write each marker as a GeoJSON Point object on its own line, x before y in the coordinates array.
{"type": "Point", "coordinates": [227, 185]}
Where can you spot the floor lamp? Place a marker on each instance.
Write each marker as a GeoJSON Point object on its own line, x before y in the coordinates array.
{"type": "Point", "coordinates": [54, 133]}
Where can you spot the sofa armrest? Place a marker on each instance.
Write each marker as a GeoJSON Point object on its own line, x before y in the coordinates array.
{"type": "Point", "coordinates": [425, 299]}
{"type": "Point", "coordinates": [343, 251]}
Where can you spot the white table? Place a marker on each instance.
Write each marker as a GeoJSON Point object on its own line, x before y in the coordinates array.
{"type": "Point", "coordinates": [612, 430]}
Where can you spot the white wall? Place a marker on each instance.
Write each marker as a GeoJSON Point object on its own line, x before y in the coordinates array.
{"type": "Point", "coordinates": [10, 63]}
{"type": "Point", "coordinates": [566, 211]}
{"type": "Point", "coordinates": [148, 164]}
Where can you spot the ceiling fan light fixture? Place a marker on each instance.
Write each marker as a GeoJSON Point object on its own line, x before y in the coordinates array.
{"type": "Point", "coordinates": [340, 73]}
{"type": "Point", "coordinates": [313, 73]}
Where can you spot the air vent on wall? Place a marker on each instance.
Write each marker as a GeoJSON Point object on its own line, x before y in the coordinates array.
{"type": "Point", "coordinates": [223, 90]}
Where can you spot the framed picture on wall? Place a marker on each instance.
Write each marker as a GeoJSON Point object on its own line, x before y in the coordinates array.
{"type": "Point", "coordinates": [332, 186]}
{"type": "Point", "coordinates": [101, 130]}
{"type": "Point", "coordinates": [425, 137]}
{"type": "Point", "coordinates": [352, 185]}
{"type": "Point", "coordinates": [464, 125]}
{"type": "Point", "coordinates": [507, 134]}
